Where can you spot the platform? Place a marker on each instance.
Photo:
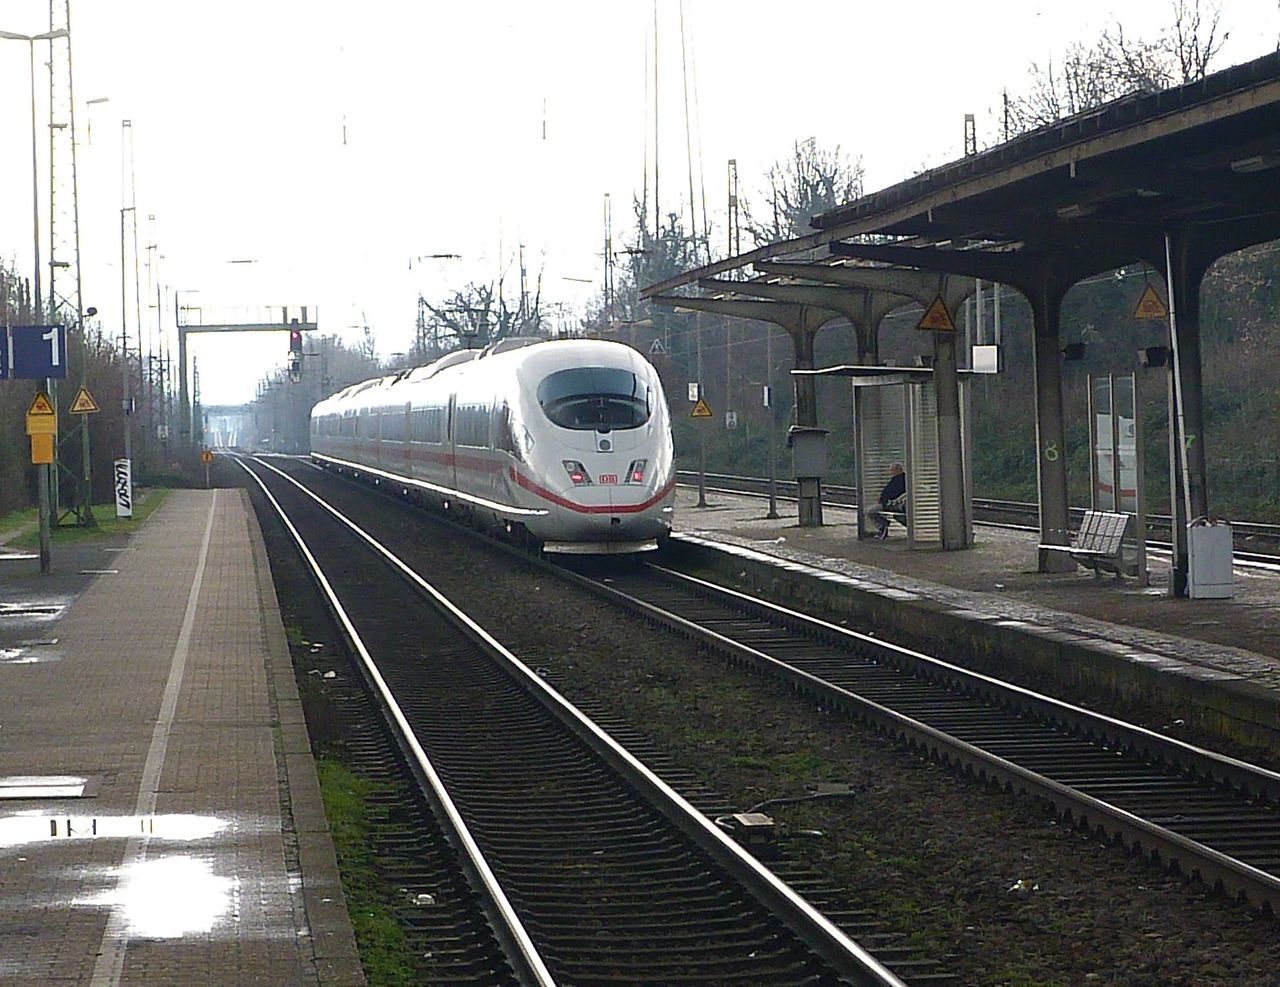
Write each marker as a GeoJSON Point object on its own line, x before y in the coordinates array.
{"type": "Point", "coordinates": [1215, 663]}
{"type": "Point", "coordinates": [160, 816]}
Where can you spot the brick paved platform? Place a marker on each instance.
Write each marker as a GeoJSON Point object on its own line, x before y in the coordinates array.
{"type": "Point", "coordinates": [198, 852]}
{"type": "Point", "coordinates": [1213, 663]}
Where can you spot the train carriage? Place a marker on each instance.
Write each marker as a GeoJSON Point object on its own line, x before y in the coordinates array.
{"type": "Point", "coordinates": [566, 443]}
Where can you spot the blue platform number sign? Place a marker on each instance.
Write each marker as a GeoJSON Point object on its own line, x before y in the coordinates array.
{"type": "Point", "coordinates": [36, 352]}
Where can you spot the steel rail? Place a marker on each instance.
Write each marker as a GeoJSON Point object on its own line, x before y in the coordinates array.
{"type": "Point", "coordinates": [1259, 886]}
{"type": "Point", "coordinates": [508, 925]}
{"type": "Point", "coordinates": [810, 925]}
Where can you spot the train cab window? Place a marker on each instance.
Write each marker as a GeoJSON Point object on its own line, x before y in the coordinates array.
{"type": "Point", "coordinates": [595, 398]}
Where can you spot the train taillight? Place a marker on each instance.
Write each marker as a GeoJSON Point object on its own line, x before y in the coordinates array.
{"type": "Point", "coordinates": [577, 473]}
{"type": "Point", "coordinates": [635, 473]}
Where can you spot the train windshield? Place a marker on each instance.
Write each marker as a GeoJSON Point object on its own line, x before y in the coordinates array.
{"type": "Point", "coordinates": [595, 398]}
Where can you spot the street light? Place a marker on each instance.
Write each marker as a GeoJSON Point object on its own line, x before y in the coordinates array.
{"type": "Point", "coordinates": [43, 472]}
{"type": "Point", "coordinates": [31, 40]}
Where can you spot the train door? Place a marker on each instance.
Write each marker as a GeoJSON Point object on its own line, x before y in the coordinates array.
{"type": "Point", "coordinates": [450, 444]}
{"type": "Point", "coordinates": [406, 435]}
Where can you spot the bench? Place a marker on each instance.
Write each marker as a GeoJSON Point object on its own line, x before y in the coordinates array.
{"type": "Point", "coordinates": [1099, 544]}
{"type": "Point", "coordinates": [896, 510]}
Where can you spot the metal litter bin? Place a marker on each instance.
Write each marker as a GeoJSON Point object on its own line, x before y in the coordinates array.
{"type": "Point", "coordinates": [1209, 562]}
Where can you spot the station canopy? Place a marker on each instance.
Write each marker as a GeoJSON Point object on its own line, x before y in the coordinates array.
{"type": "Point", "coordinates": [1088, 193]}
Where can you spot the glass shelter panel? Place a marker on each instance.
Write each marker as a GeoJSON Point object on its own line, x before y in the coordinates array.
{"type": "Point", "coordinates": [925, 500]}
{"type": "Point", "coordinates": [880, 420]}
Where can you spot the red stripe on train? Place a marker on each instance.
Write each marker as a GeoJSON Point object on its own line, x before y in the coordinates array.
{"type": "Point", "coordinates": [559, 501]}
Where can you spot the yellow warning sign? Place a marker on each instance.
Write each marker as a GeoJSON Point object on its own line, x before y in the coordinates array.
{"type": "Point", "coordinates": [937, 318]}
{"type": "Point", "coordinates": [41, 418]}
{"type": "Point", "coordinates": [41, 449]}
{"type": "Point", "coordinates": [701, 410]}
{"type": "Point", "coordinates": [84, 404]}
{"type": "Point", "coordinates": [1150, 306]}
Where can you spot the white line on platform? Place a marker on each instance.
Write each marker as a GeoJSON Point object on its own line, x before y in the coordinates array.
{"type": "Point", "coordinates": [115, 939]}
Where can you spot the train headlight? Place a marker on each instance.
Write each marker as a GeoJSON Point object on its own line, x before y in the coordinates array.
{"type": "Point", "coordinates": [635, 473]}
{"type": "Point", "coordinates": [577, 473]}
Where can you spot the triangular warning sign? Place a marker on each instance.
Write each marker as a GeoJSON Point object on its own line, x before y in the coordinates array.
{"type": "Point", "coordinates": [937, 318]}
{"type": "Point", "coordinates": [84, 404]}
{"type": "Point", "coordinates": [1150, 306]}
{"type": "Point", "coordinates": [701, 410]}
{"type": "Point", "coordinates": [41, 405]}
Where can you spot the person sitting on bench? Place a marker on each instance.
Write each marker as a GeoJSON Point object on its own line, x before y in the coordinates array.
{"type": "Point", "coordinates": [893, 500]}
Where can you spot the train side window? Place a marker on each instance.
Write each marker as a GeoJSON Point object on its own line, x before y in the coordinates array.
{"type": "Point", "coordinates": [471, 426]}
{"type": "Point", "coordinates": [503, 437]}
{"type": "Point", "coordinates": [428, 425]}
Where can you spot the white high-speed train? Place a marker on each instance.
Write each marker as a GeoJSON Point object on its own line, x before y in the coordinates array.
{"type": "Point", "coordinates": [565, 443]}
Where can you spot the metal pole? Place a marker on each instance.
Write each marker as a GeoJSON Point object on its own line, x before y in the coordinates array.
{"type": "Point", "coordinates": [86, 488]}
{"type": "Point", "coordinates": [124, 350]}
{"type": "Point", "coordinates": [1177, 380]}
{"type": "Point", "coordinates": [1115, 446]}
{"type": "Point", "coordinates": [42, 474]}
{"type": "Point", "coordinates": [35, 185]}
{"type": "Point", "coordinates": [772, 421]}
{"type": "Point", "coordinates": [42, 470]}
{"type": "Point", "coordinates": [702, 432]}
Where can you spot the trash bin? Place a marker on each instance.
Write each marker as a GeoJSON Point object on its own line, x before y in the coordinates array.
{"type": "Point", "coordinates": [1209, 562]}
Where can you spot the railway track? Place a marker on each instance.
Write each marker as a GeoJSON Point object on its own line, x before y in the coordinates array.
{"type": "Point", "coordinates": [1255, 542]}
{"type": "Point", "coordinates": [1212, 816]}
{"type": "Point", "coordinates": [582, 865]}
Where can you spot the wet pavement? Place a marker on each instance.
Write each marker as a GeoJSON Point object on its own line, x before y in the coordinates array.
{"type": "Point", "coordinates": [160, 818]}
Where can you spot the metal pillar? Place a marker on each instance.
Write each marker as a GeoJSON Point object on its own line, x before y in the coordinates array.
{"type": "Point", "coordinates": [1051, 461]}
{"type": "Point", "coordinates": [955, 533]}
{"type": "Point", "coordinates": [809, 492]}
{"type": "Point", "coordinates": [1188, 490]}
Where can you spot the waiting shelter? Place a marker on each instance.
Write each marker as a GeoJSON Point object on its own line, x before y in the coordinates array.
{"type": "Point", "coordinates": [895, 420]}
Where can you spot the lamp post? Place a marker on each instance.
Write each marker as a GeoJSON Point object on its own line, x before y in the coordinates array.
{"type": "Point", "coordinates": [86, 495]}
{"type": "Point", "coordinates": [42, 473]}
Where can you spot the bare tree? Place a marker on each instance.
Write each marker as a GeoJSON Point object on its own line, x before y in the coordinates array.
{"type": "Point", "coordinates": [1118, 65]}
{"type": "Point", "coordinates": [482, 313]}
{"type": "Point", "coordinates": [1194, 37]}
{"type": "Point", "coordinates": [813, 180]}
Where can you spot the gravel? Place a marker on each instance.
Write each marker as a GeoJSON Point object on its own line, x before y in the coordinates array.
{"type": "Point", "coordinates": [993, 883]}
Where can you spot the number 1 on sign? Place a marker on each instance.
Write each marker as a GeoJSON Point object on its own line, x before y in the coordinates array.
{"type": "Point", "coordinates": [51, 337]}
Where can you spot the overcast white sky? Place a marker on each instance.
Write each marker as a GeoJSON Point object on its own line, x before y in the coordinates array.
{"type": "Point", "coordinates": [239, 109]}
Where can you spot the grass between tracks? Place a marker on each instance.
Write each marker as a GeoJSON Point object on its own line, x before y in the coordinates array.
{"type": "Point", "coordinates": [384, 951]}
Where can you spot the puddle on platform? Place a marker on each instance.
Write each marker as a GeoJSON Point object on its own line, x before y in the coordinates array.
{"type": "Point", "coordinates": [29, 653]}
{"type": "Point", "coordinates": [30, 609]}
{"type": "Point", "coordinates": [29, 828]}
{"type": "Point", "coordinates": [169, 897]}
{"type": "Point", "coordinates": [44, 787]}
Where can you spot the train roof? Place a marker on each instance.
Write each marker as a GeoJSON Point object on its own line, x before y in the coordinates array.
{"type": "Point", "coordinates": [541, 353]}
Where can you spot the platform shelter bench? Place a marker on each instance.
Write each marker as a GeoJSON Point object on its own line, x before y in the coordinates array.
{"type": "Point", "coordinates": [1099, 544]}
